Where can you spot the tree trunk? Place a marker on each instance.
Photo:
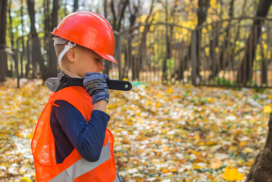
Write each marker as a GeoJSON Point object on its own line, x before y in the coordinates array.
{"type": "Point", "coordinates": [168, 39]}
{"type": "Point", "coordinates": [142, 49]}
{"type": "Point", "coordinates": [125, 4]}
{"type": "Point", "coordinates": [201, 16]}
{"type": "Point", "coordinates": [36, 55]}
{"type": "Point", "coordinates": [164, 67]}
{"type": "Point", "coordinates": [116, 20]}
{"type": "Point", "coordinates": [54, 15]}
{"type": "Point", "coordinates": [3, 24]}
{"type": "Point", "coordinates": [106, 63]}
{"type": "Point", "coordinates": [203, 6]}
{"type": "Point", "coordinates": [10, 72]}
{"type": "Point", "coordinates": [65, 8]}
{"type": "Point", "coordinates": [128, 50]}
{"type": "Point", "coordinates": [245, 70]}
{"type": "Point", "coordinates": [23, 42]}
{"type": "Point", "coordinates": [75, 7]}
{"type": "Point", "coordinates": [51, 22]}
{"type": "Point", "coordinates": [53, 60]}
{"type": "Point", "coordinates": [216, 68]}
{"type": "Point", "coordinates": [113, 15]}
{"type": "Point", "coordinates": [263, 67]}
{"type": "Point", "coordinates": [105, 9]}
{"type": "Point", "coordinates": [261, 170]}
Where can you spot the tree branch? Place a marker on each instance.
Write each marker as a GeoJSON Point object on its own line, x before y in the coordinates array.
{"type": "Point", "coordinates": [113, 15]}
{"type": "Point", "coordinates": [122, 14]}
{"type": "Point", "coordinates": [150, 11]}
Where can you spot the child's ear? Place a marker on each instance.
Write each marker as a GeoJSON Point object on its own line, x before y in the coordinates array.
{"type": "Point", "coordinates": [71, 55]}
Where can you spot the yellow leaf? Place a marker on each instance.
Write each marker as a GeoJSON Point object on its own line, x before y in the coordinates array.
{"type": "Point", "coordinates": [213, 3]}
{"type": "Point", "coordinates": [157, 104]}
{"type": "Point", "coordinates": [172, 169]}
{"type": "Point", "coordinates": [243, 143]}
{"type": "Point", "coordinates": [20, 135]}
{"type": "Point", "coordinates": [267, 109]}
{"type": "Point", "coordinates": [30, 136]}
{"type": "Point", "coordinates": [129, 123]}
{"type": "Point", "coordinates": [201, 143]}
{"type": "Point", "coordinates": [147, 103]}
{"type": "Point", "coordinates": [270, 96]}
{"type": "Point", "coordinates": [25, 179]}
{"type": "Point", "coordinates": [233, 148]}
{"type": "Point", "coordinates": [164, 131]}
{"type": "Point", "coordinates": [215, 164]}
{"type": "Point", "coordinates": [165, 170]}
{"type": "Point", "coordinates": [119, 154]}
{"type": "Point", "coordinates": [232, 175]}
{"type": "Point", "coordinates": [197, 138]}
{"type": "Point", "coordinates": [195, 166]}
{"type": "Point", "coordinates": [159, 96]}
{"type": "Point", "coordinates": [210, 143]}
{"type": "Point", "coordinates": [170, 91]}
{"type": "Point", "coordinates": [210, 99]}
{"type": "Point", "coordinates": [166, 149]}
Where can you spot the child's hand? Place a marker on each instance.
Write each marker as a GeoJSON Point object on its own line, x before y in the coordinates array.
{"type": "Point", "coordinates": [96, 86]}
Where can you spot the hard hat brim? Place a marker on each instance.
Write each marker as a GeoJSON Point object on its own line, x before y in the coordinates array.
{"type": "Point", "coordinates": [107, 57]}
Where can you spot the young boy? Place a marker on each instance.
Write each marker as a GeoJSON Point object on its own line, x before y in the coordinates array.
{"type": "Point", "coordinates": [71, 140]}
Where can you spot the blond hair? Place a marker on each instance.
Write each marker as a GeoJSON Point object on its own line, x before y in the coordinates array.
{"type": "Point", "coordinates": [58, 49]}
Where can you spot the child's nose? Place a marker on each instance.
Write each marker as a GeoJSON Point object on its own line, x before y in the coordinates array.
{"type": "Point", "coordinates": [101, 66]}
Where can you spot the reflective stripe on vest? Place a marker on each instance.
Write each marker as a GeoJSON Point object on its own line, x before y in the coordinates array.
{"type": "Point", "coordinates": [82, 166]}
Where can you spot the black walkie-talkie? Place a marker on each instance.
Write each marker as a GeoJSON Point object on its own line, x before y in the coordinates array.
{"type": "Point", "coordinates": [63, 80]}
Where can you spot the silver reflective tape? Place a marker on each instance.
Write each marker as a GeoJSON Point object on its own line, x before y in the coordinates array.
{"type": "Point", "coordinates": [62, 177]}
{"type": "Point", "coordinates": [82, 166]}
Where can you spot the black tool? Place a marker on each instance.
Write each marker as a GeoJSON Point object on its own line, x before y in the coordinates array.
{"type": "Point", "coordinates": [63, 80]}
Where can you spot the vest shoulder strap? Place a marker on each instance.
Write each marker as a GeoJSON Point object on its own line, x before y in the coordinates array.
{"type": "Point", "coordinates": [76, 96]}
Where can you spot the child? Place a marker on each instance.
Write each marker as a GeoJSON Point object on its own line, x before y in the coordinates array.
{"type": "Point", "coordinates": [71, 140]}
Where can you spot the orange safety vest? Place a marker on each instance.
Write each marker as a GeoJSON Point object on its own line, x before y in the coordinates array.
{"type": "Point", "coordinates": [74, 168]}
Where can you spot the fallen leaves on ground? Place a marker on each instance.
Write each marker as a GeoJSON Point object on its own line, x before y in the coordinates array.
{"type": "Point", "coordinates": [162, 133]}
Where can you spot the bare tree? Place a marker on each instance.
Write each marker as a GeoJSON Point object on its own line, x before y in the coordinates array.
{"type": "Point", "coordinates": [118, 17]}
{"type": "Point", "coordinates": [245, 70]}
{"type": "Point", "coordinates": [11, 35]}
{"type": "Point", "coordinates": [216, 68]}
{"type": "Point", "coordinates": [168, 37]}
{"type": "Point", "coordinates": [142, 49]}
{"type": "Point", "coordinates": [75, 7]}
{"type": "Point", "coordinates": [23, 42]}
{"type": "Point", "coordinates": [3, 24]}
{"type": "Point", "coordinates": [52, 61]}
{"type": "Point", "coordinates": [133, 11]}
{"type": "Point", "coordinates": [203, 6]}
{"type": "Point", "coordinates": [36, 55]}
{"type": "Point", "coordinates": [105, 9]}
{"type": "Point", "coordinates": [202, 11]}
{"type": "Point", "coordinates": [116, 20]}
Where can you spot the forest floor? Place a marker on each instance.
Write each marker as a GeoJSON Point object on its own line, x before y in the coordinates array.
{"type": "Point", "coordinates": [161, 133]}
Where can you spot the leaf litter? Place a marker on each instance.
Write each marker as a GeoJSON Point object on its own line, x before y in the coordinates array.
{"type": "Point", "coordinates": [161, 132]}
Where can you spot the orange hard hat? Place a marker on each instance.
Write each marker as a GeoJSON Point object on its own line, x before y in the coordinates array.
{"type": "Point", "coordinates": [89, 30]}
